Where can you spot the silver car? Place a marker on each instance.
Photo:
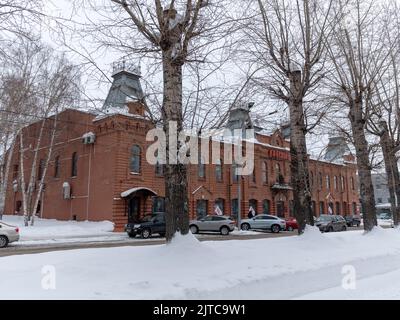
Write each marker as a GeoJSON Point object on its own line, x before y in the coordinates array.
{"type": "Point", "coordinates": [8, 234]}
{"type": "Point", "coordinates": [331, 223]}
{"type": "Point", "coordinates": [221, 224]}
{"type": "Point", "coordinates": [264, 222]}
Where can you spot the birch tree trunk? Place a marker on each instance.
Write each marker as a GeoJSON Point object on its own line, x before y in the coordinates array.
{"type": "Point", "coordinates": [363, 164]}
{"type": "Point", "coordinates": [32, 178]}
{"type": "Point", "coordinates": [392, 171]}
{"type": "Point", "coordinates": [299, 156]}
{"type": "Point", "coordinates": [176, 194]}
{"type": "Point", "coordinates": [22, 178]}
{"type": "Point", "coordinates": [42, 178]}
{"type": "Point", "coordinates": [5, 177]}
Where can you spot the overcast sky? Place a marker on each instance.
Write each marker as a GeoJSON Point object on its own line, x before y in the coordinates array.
{"type": "Point", "coordinates": [98, 90]}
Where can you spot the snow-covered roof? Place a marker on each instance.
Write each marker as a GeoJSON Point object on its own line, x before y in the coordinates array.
{"type": "Point", "coordinates": [112, 111]}
{"type": "Point", "coordinates": [129, 192]}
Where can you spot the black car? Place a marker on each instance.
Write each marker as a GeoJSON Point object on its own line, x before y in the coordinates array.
{"type": "Point", "coordinates": [353, 220]}
{"type": "Point", "coordinates": [151, 224]}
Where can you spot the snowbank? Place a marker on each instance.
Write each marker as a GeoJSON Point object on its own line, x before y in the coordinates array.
{"type": "Point", "coordinates": [45, 229]}
{"type": "Point", "coordinates": [291, 267]}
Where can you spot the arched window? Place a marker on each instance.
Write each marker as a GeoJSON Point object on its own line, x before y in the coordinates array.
{"type": "Point", "coordinates": [278, 172]}
{"type": "Point", "coordinates": [135, 159]}
{"type": "Point", "coordinates": [158, 205]}
{"type": "Point", "coordinates": [352, 183]}
{"type": "Point", "coordinates": [202, 208]}
{"type": "Point", "coordinates": [313, 208]}
{"type": "Point", "coordinates": [343, 183]}
{"type": "Point", "coordinates": [321, 207]}
{"type": "Point", "coordinates": [201, 168]}
{"type": "Point", "coordinates": [264, 172]}
{"type": "Point", "coordinates": [254, 176]}
{"type": "Point", "coordinates": [235, 208]}
{"type": "Point", "coordinates": [335, 182]}
{"type": "Point", "coordinates": [57, 167]}
{"type": "Point", "coordinates": [159, 167]}
{"type": "Point", "coordinates": [338, 211]}
{"type": "Point", "coordinates": [74, 165]}
{"type": "Point", "coordinates": [266, 206]}
{"type": "Point", "coordinates": [220, 204]}
{"type": "Point", "coordinates": [320, 180]}
{"type": "Point", "coordinates": [328, 182]}
{"type": "Point", "coordinates": [218, 171]}
{"type": "Point", "coordinates": [235, 176]}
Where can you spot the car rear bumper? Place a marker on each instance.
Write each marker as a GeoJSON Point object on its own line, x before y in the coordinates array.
{"type": "Point", "coordinates": [13, 238]}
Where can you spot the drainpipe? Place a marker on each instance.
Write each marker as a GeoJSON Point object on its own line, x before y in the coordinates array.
{"type": "Point", "coordinates": [88, 186]}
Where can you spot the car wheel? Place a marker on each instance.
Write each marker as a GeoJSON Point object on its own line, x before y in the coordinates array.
{"type": "Point", "coordinates": [358, 225]}
{"type": "Point", "coordinates": [3, 241]}
{"type": "Point", "coordinates": [330, 229]}
{"type": "Point", "coordinates": [132, 235]}
{"type": "Point", "coordinates": [275, 228]}
{"type": "Point", "coordinates": [162, 235]}
{"type": "Point", "coordinates": [290, 229]}
{"type": "Point", "coordinates": [225, 231]}
{"type": "Point", "coordinates": [146, 233]}
{"type": "Point", "coordinates": [344, 228]}
{"type": "Point", "coordinates": [245, 227]}
{"type": "Point", "coordinates": [194, 229]}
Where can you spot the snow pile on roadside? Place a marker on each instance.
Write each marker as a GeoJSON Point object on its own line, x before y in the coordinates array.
{"type": "Point", "coordinates": [45, 229]}
{"type": "Point", "coordinates": [312, 233]}
{"type": "Point", "coordinates": [382, 222]}
{"type": "Point", "coordinates": [254, 269]}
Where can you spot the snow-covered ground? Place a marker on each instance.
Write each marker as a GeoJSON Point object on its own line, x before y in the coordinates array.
{"type": "Point", "coordinates": [54, 232]}
{"type": "Point", "coordinates": [50, 231]}
{"type": "Point", "coordinates": [306, 267]}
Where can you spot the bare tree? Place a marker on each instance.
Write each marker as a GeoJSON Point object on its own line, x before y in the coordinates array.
{"type": "Point", "coordinates": [40, 83]}
{"type": "Point", "coordinates": [359, 54]}
{"type": "Point", "coordinates": [17, 18]}
{"type": "Point", "coordinates": [384, 120]}
{"type": "Point", "coordinates": [174, 34]}
{"type": "Point", "coordinates": [287, 41]}
{"type": "Point", "coordinates": [17, 102]}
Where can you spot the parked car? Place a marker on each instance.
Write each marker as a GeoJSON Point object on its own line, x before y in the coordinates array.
{"type": "Point", "coordinates": [264, 222]}
{"type": "Point", "coordinates": [331, 223]}
{"type": "Point", "coordinates": [384, 216]}
{"type": "Point", "coordinates": [353, 220]}
{"type": "Point", "coordinates": [8, 234]}
{"type": "Point", "coordinates": [222, 224]}
{"type": "Point", "coordinates": [291, 224]}
{"type": "Point", "coordinates": [150, 224]}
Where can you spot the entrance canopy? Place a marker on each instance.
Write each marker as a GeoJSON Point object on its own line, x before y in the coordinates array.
{"type": "Point", "coordinates": [130, 192]}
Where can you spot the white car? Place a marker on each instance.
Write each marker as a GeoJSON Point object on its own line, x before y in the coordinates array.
{"type": "Point", "coordinates": [8, 234]}
{"type": "Point", "coordinates": [265, 222]}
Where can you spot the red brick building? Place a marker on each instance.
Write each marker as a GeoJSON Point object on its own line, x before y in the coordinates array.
{"type": "Point", "coordinates": [99, 171]}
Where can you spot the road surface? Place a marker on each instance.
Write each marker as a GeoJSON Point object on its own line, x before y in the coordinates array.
{"type": "Point", "coordinates": [19, 249]}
